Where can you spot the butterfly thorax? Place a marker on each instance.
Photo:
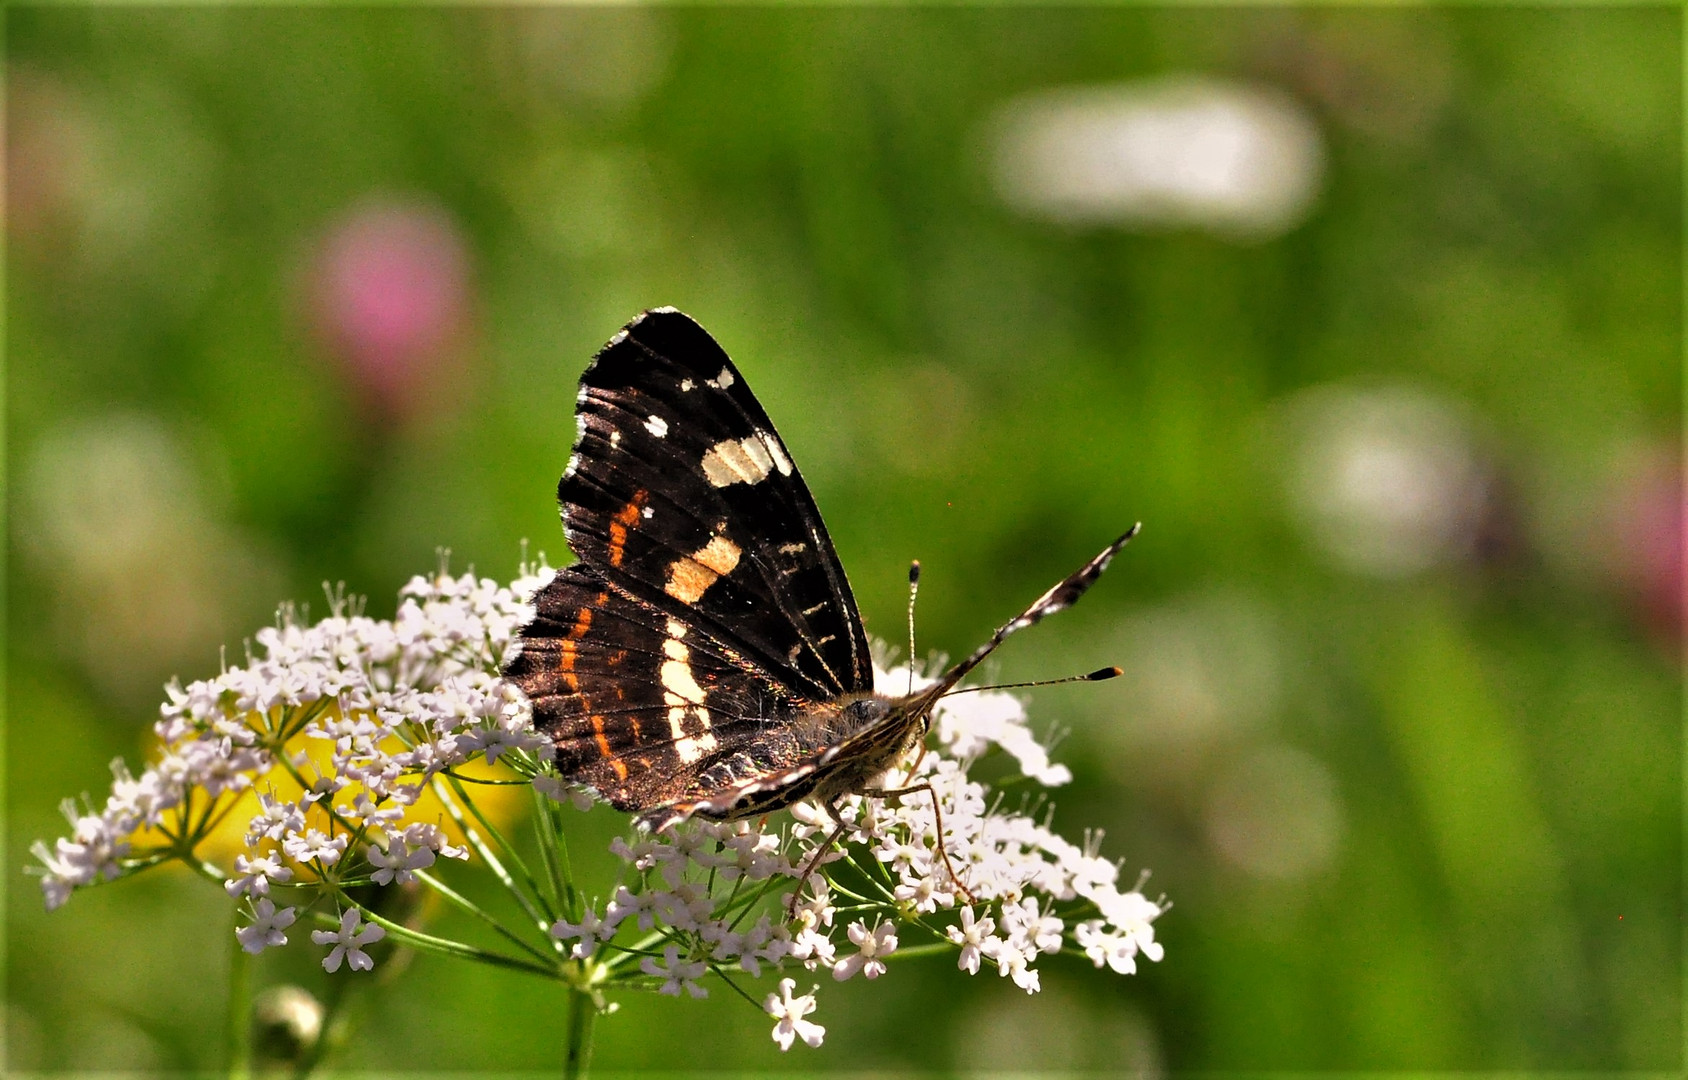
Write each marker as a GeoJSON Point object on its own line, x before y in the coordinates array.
{"type": "Point", "coordinates": [861, 739]}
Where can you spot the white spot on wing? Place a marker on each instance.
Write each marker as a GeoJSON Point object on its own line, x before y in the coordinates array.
{"type": "Point", "coordinates": [646, 513]}
{"type": "Point", "coordinates": [757, 451]}
{"type": "Point", "coordinates": [737, 461]}
{"type": "Point", "coordinates": [721, 381]}
{"type": "Point", "coordinates": [686, 384]}
{"type": "Point", "coordinates": [776, 451]}
{"type": "Point", "coordinates": [678, 685]}
{"type": "Point", "coordinates": [691, 576]}
{"type": "Point", "coordinates": [657, 426]}
{"type": "Point", "coordinates": [615, 438]}
{"type": "Point", "coordinates": [693, 748]}
{"type": "Point", "coordinates": [684, 697]}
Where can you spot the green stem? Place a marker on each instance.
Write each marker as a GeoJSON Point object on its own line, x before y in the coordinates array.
{"type": "Point", "coordinates": [237, 1028]}
{"type": "Point", "coordinates": [441, 946]}
{"type": "Point", "coordinates": [937, 948]}
{"type": "Point", "coordinates": [544, 919]}
{"type": "Point", "coordinates": [578, 1053]}
{"type": "Point", "coordinates": [468, 906]}
{"type": "Point", "coordinates": [554, 853]}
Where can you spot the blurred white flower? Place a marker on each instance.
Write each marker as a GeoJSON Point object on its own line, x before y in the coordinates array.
{"type": "Point", "coordinates": [1234, 158]}
{"type": "Point", "coordinates": [1276, 813]}
{"type": "Point", "coordinates": [116, 515]}
{"type": "Point", "coordinates": [1640, 537]}
{"type": "Point", "coordinates": [608, 59]}
{"type": "Point", "coordinates": [286, 1021]}
{"type": "Point", "coordinates": [1388, 481]}
{"type": "Point", "coordinates": [1200, 671]}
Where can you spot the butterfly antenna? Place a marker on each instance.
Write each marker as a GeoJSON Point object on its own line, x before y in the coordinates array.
{"type": "Point", "coordinates": [1099, 675]}
{"type": "Point", "coordinates": [913, 591]}
{"type": "Point", "coordinates": [1063, 595]}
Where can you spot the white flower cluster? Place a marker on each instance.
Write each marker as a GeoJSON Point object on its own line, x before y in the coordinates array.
{"type": "Point", "coordinates": [394, 709]}
{"type": "Point", "coordinates": [1023, 890]}
{"type": "Point", "coordinates": [387, 705]}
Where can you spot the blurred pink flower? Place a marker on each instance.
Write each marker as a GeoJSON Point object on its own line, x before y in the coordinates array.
{"type": "Point", "coordinates": [1647, 556]}
{"type": "Point", "coordinates": [389, 294]}
{"type": "Point", "coordinates": [48, 154]}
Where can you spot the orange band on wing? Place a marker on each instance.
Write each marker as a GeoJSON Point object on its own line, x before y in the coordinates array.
{"type": "Point", "coordinates": [624, 520]}
{"type": "Point", "coordinates": [566, 648]}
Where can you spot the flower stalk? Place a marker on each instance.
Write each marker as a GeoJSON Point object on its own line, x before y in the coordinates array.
{"type": "Point", "coordinates": [577, 1052]}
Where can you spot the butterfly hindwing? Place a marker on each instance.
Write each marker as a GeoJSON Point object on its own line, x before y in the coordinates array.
{"type": "Point", "coordinates": [639, 707]}
{"type": "Point", "coordinates": [680, 494]}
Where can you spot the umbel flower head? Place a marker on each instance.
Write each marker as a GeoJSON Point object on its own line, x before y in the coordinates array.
{"type": "Point", "coordinates": [359, 753]}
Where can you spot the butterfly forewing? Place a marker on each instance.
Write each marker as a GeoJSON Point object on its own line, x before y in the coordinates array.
{"type": "Point", "coordinates": [681, 495]}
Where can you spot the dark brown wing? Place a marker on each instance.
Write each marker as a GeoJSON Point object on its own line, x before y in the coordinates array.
{"type": "Point", "coordinates": [708, 608]}
{"type": "Point", "coordinates": [681, 495]}
{"type": "Point", "coordinates": [640, 708]}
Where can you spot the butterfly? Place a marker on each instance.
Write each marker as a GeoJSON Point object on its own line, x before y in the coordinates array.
{"type": "Point", "coordinates": [704, 656]}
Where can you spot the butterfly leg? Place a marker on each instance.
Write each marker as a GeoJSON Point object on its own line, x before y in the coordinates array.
{"type": "Point", "coordinates": [815, 859]}
{"type": "Point", "coordinates": [937, 820]}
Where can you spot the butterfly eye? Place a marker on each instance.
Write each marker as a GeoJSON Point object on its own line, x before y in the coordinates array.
{"type": "Point", "coordinates": [866, 710]}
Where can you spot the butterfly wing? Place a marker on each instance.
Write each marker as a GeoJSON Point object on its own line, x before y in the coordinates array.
{"type": "Point", "coordinates": [708, 606]}
{"type": "Point", "coordinates": [682, 496]}
{"type": "Point", "coordinates": [639, 707]}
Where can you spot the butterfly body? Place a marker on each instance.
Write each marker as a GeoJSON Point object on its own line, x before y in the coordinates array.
{"type": "Point", "coordinates": [705, 655]}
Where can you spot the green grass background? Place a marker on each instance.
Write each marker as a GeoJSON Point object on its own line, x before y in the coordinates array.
{"type": "Point", "coordinates": [1499, 225]}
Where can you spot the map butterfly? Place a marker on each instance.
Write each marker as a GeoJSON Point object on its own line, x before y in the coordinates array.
{"type": "Point", "coordinates": [704, 656]}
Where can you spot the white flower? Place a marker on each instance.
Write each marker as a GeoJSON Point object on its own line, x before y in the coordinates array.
{"type": "Point", "coordinates": [814, 948]}
{"type": "Point", "coordinates": [1106, 947]}
{"type": "Point", "coordinates": [1028, 931]}
{"type": "Point", "coordinates": [750, 853]}
{"type": "Point", "coordinates": [975, 938]}
{"type": "Point", "coordinates": [627, 903]}
{"type": "Point", "coordinates": [589, 930]}
{"type": "Point", "coordinates": [265, 929]}
{"type": "Point", "coordinates": [399, 862]}
{"type": "Point", "coordinates": [256, 875]}
{"type": "Point", "coordinates": [1014, 962]}
{"type": "Point", "coordinates": [1133, 914]}
{"type": "Point", "coordinates": [348, 942]}
{"type": "Point", "coordinates": [557, 789]}
{"type": "Point", "coordinates": [315, 844]}
{"type": "Point", "coordinates": [679, 974]}
{"type": "Point", "coordinates": [789, 1012]}
{"type": "Point", "coordinates": [873, 944]}
{"type": "Point", "coordinates": [643, 853]}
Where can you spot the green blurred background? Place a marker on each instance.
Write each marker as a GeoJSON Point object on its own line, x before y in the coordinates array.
{"type": "Point", "coordinates": [1371, 317]}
